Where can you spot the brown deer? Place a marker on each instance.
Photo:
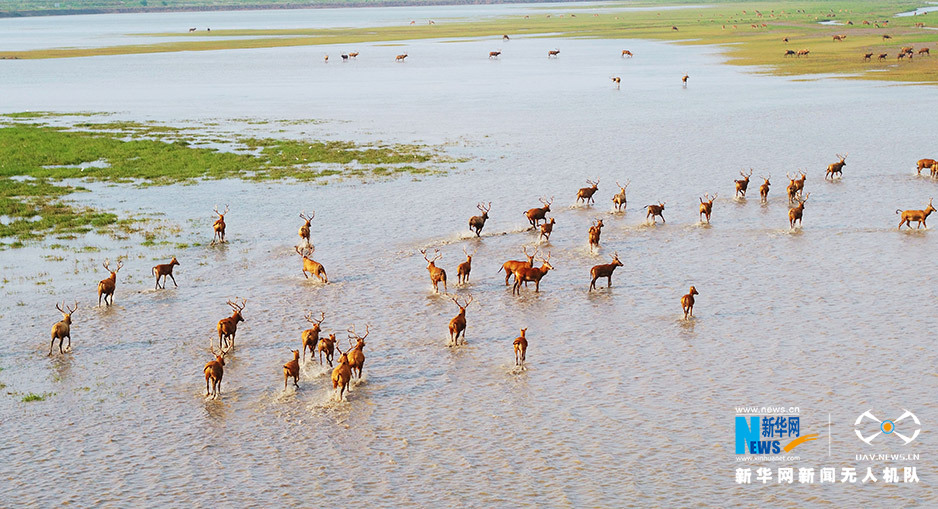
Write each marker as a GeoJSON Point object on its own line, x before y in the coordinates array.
{"type": "Point", "coordinates": [924, 51]}
{"type": "Point", "coordinates": [228, 326]}
{"type": "Point", "coordinates": [706, 207]}
{"type": "Point", "coordinates": [594, 233]}
{"type": "Point", "coordinates": [764, 189]}
{"type": "Point", "coordinates": [627, 53]}
{"type": "Point", "coordinates": [839, 38]}
{"type": "Point", "coordinates": [309, 265]}
{"type": "Point", "coordinates": [325, 58]}
{"type": "Point", "coordinates": [192, 29]}
{"type": "Point", "coordinates": [344, 57]}
{"type": "Point", "coordinates": [292, 369]}
{"type": "Point", "coordinates": [553, 53]}
{"type": "Point", "coordinates": [353, 54]}
{"type": "Point", "coordinates": [900, 56]}
{"type": "Point", "coordinates": [687, 302]}
{"type": "Point", "coordinates": [62, 329]}
{"type": "Point", "coordinates": [304, 230]}
{"type": "Point", "coordinates": [795, 213]}
{"type": "Point", "coordinates": [163, 270]}
{"type": "Point", "coordinates": [789, 53]}
{"type": "Point", "coordinates": [326, 347]}
{"type": "Point", "coordinates": [617, 80]}
{"type": "Point", "coordinates": [106, 286]}
{"type": "Point", "coordinates": [799, 183]}
{"type": "Point", "coordinates": [219, 226]}
{"type": "Point", "coordinates": [457, 325]}
{"type": "Point", "coordinates": [907, 50]}
{"type": "Point", "coordinates": [538, 214]}
{"type": "Point", "coordinates": [619, 200]}
{"type": "Point", "coordinates": [494, 54]}
{"type": "Point", "coordinates": [743, 184]}
{"type": "Point", "coordinates": [803, 53]}
{"type": "Point", "coordinates": [605, 270]}
{"type": "Point", "coordinates": [924, 163]}
{"type": "Point", "coordinates": [934, 170]}
{"type": "Point", "coordinates": [521, 347]}
{"type": "Point", "coordinates": [867, 56]}
{"type": "Point", "coordinates": [505, 37]}
{"type": "Point", "coordinates": [586, 193]}
{"type": "Point", "coordinates": [356, 355]}
{"type": "Point", "coordinates": [342, 374]}
{"type": "Point", "coordinates": [546, 229]}
{"type": "Point", "coordinates": [462, 271]}
{"type": "Point", "coordinates": [511, 265]}
{"type": "Point", "coordinates": [310, 337]}
{"type": "Point", "coordinates": [655, 211]}
{"type": "Point", "coordinates": [400, 58]}
{"type": "Point", "coordinates": [907, 217]}
{"type": "Point", "coordinates": [837, 167]}
{"type": "Point", "coordinates": [214, 371]}
{"type": "Point", "coordinates": [882, 56]}
{"type": "Point", "coordinates": [478, 222]}
{"type": "Point", "coordinates": [684, 79]}
{"type": "Point", "coordinates": [436, 274]}
{"type": "Point", "coordinates": [792, 189]}
{"type": "Point", "coordinates": [524, 274]}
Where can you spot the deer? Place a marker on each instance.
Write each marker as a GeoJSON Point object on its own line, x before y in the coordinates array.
{"type": "Point", "coordinates": [163, 270]}
{"type": "Point", "coordinates": [228, 326]}
{"type": "Point", "coordinates": [106, 286]}
{"type": "Point", "coordinates": [617, 80]}
{"type": "Point", "coordinates": [907, 49]}
{"type": "Point", "coordinates": [604, 270]}
{"type": "Point", "coordinates": [478, 222]}
{"type": "Point", "coordinates": [400, 58]}
{"type": "Point", "coordinates": [795, 213]}
{"type": "Point", "coordinates": [520, 345]}
{"type": "Point", "coordinates": [494, 54]}
{"type": "Point", "coordinates": [309, 265]}
{"type": "Point", "coordinates": [192, 29]}
{"type": "Point", "coordinates": [511, 265]}
{"type": "Point", "coordinates": [326, 347]}
{"type": "Point", "coordinates": [342, 374]}
{"type": "Point", "coordinates": [219, 226]}
{"type": "Point", "coordinates": [906, 218]}
{"type": "Point", "coordinates": [837, 167]}
{"type": "Point", "coordinates": [325, 58]}
{"type": "Point", "coordinates": [627, 53]}
{"type": "Point", "coordinates": [292, 369]}
{"type": "Point", "coordinates": [687, 302]}
{"type": "Point", "coordinates": [457, 325]}
{"type": "Point", "coordinates": [462, 271]}
{"type": "Point", "coordinates": [743, 184]}
{"type": "Point", "coordinates": [344, 57]}
{"type": "Point", "coordinates": [803, 53]}
{"type": "Point", "coordinates": [684, 78]}
{"type": "Point", "coordinates": [62, 329]}
{"type": "Point", "coordinates": [867, 56]}
{"type": "Point", "coordinates": [792, 189]}
{"type": "Point", "coordinates": [619, 200]}
{"type": "Point", "coordinates": [925, 163]}
{"type": "Point", "coordinates": [839, 38]}
{"type": "Point", "coordinates": [789, 53]}
{"type": "Point", "coordinates": [900, 56]}
{"type": "Point", "coordinates": [553, 53]}
{"type": "Point", "coordinates": [655, 211]}
{"type": "Point", "coordinates": [524, 274]}
{"type": "Point", "coordinates": [310, 337]}
{"type": "Point", "coordinates": [934, 170]}
{"type": "Point", "coordinates": [353, 54]}
{"type": "Point", "coordinates": [214, 371]}
{"type": "Point", "coordinates": [436, 274]}
{"type": "Point", "coordinates": [882, 56]}
{"type": "Point", "coordinates": [924, 51]}
{"type": "Point", "coordinates": [538, 214]}
{"type": "Point", "coordinates": [706, 207]}
{"type": "Point", "coordinates": [799, 183]}
{"type": "Point", "coordinates": [304, 230]}
{"type": "Point", "coordinates": [355, 355]}
{"type": "Point", "coordinates": [586, 193]}
{"type": "Point", "coordinates": [505, 37]}
{"type": "Point", "coordinates": [594, 232]}
{"type": "Point", "coordinates": [546, 229]}
{"type": "Point", "coordinates": [764, 188]}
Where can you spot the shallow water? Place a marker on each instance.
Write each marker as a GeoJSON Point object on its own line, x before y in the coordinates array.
{"type": "Point", "coordinates": [622, 402]}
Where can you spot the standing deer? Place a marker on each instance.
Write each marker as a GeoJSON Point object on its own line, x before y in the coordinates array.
{"type": "Point", "coordinates": [214, 371]}
{"type": "Point", "coordinates": [436, 274]}
{"type": "Point", "coordinates": [342, 374]}
{"type": "Point", "coordinates": [344, 57]}
{"type": "Point", "coordinates": [478, 222]}
{"type": "Point", "coordinates": [684, 78]}
{"type": "Point", "coordinates": [837, 167]}
{"type": "Point", "coordinates": [924, 163]}
{"type": "Point", "coordinates": [327, 347]}
{"type": "Point", "coordinates": [400, 58]}
{"type": "Point", "coordinates": [520, 345]}
{"type": "Point", "coordinates": [228, 326]}
{"type": "Point", "coordinates": [617, 80]}
{"type": "Point", "coordinates": [743, 184]}
{"type": "Point", "coordinates": [310, 337]}
{"type": "Point", "coordinates": [764, 188]}
{"type": "Point", "coordinates": [292, 369]}
{"type": "Point", "coordinates": [594, 232]}
{"type": "Point", "coordinates": [546, 229]}
{"type": "Point", "coordinates": [304, 230]}
{"type": "Point", "coordinates": [789, 53]}
{"type": "Point", "coordinates": [924, 51]}
{"type": "Point", "coordinates": [795, 213]}
{"type": "Point", "coordinates": [494, 54]}
{"type": "Point", "coordinates": [106, 286]}
{"type": "Point", "coordinates": [353, 54]}
{"type": "Point", "coordinates": [356, 355]}
{"type": "Point", "coordinates": [706, 207]}
{"type": "Point", "coordinates": [553, 53]}
{"type": "Point", "coordinates": [538, 214]}
{"type": "Point", "coordinates": [907, 217]}
{"type": "Point", "coordinates": [803, 53]}
{"type": "Point", "coordinates": [511, 265]}
{"type": "Point", "coordinates": [586, 193]}
{"type": "Point", "coordinates": [839, 38]}
{"type": "Point", "coordinates": [882, 56]}
{"type": "Point", "coordinates": [462, 271]}
{"type": "Point", "coordinates": [163, 270]}
{"type": "Point", "coordinates": [62, 329]}
{"type": "Point", "coordinates": [524, 274]}
{"type": "Point", "coordinates": [655, 211]}
{"type": "Point", "coordinates": [219, 225]}
{"type": "Point", "coordinates": [457, 325]}
{"type": "Point", "coordinates": [619, 200]}
{"type": "Point", "coordinates": [505, 37]}
{"type": "Point", "coordinates": [867, 56]}
{"type": "Point", "coordinates": [604, 270]}
{"type": "Point", "coordinates": [627, 53]}
{"type": "Point", "coordinates": [687, 302]}
{"type": "Point", "coordinates": [313, 267]}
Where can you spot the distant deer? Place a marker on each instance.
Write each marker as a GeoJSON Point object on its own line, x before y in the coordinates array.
{"type": "Point", "coordinates": [304, 230]}
{"type": "Point", "coordinates": [619, 199]}
{"type": "Point", "coordinates": [596, 229]}
{"type": "Point", "coordinates": [505, 37]}
{"type": "Point", "coordinates": [510, 266]}
{"type": "Point", "coordinates": [792, 189]}
{"type": "Point", "coordinates": [62, 329]}
{"type": "Point", "coordinates": [478, 222]}
{"type": "Point", "coordinates": [462, 271]}
{"type": "Point", "coordinates": [163, 270]}
{"type": "Point", "coordinates": [400, 58]}
{"type": "Point", "coordinates": [924, 163]}
{"type": "Point", "coordinates": [684, 80]}
{"type": "Point", "coordinates": [795, 213]}
{"type": "Point", "coordinates": [674, 28]}
{"type": "Point", "coordinates": [586, 193]}
{"type": "Point", "coordinates": [538, 214]}
{"type": "Point", "coordinates": [839, 37]}
{"type": "Point", "coordinates": [867, 56]}
{"type": "Point", "coordinates": [837, 167]}
{"type": "Point", "coordinates": [436, 274]}
{"type": "Point", "coordinates": [457, 325]}
{"type": "Point", "coordinates": [310, 337]}
{"type": "Point", "coordinates": [617, 80]}
{"type": "Point", "coordinates": [907, 217]}
{"type": "Point", "coordinates": [742, 184]}
{"type": "Point", "coordinates": [325, 58]}
{"type": "Point", "coordinates": [214, 371]}
{"type": "Point", "coordinates": [655, 211]}
{"type": "Point", "coordinates": [344, 57]}
{"type": "Point", "coordinates": [907, 49]}
{"type": "Point", "coordinates": [326, 347]}
{"type": "Point", "coordinates": [627, 53]}
{"type": "Point", "coordinates": [553, 53]}
{"type": "Point", "coordinates": [546, 229]}
{"type": "Point", "coordinates": [789, 53]}
{"type": "Point", "coordinates": [882, 56]}
{"type": "Point", "coordinates": [193, 29]}
{"type": "Point", "coordinates": [292, 369]}
{"type": "Point", "coordinates": [799, 182]}
{"type": "Point", "coordinates": [494, 54]}
{"type": "Point", "coordinates": [228, 326]}
{"type": "Point", "coordinates": [934, 170]}
{"type": "Point", "coordinates": [356, 355]}
{"type": "Point", "coordinates": [309, 265]}
{"type": "Point", "coordinates": [687, 302]}
{"type": "Point", "coordinates": [535, 274]}
{"type": "Point", "coordinates": [520, 345]}
{"type": "Point", "coordinates": [353, 54]}
{"type": "Point", "coordinates": [604, 270]}
{"type": "Point", "coordinates": [219, 225]}
{"type": "Point", "coordinates": [803, 53]}
{"type": "Point", "coordinates": [764, 189]}
{"type": "Point", "coordinates": [342, 374]}
{"type": "Point", "coordinates": [900, 56]}
{"type": "Point", "coordinates": [706, 207]}
{"type": "Point", "coordinates": [106, 286]}
{"type": "Point", "coordinates": [924, 51]}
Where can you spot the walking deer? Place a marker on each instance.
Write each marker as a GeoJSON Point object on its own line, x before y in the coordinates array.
{"type": "Point", "coordinates": [546, 229]}
{"type": "Point", "coordinates": [326, 347]}
{"type": "Point", "coordinates": [436, 274]}
{"type": "Point", "coordinates": [684, 79]}
{"type": "Point", "coordinates": [478, 222]}
{"type": "Point", "coordinates": [462, 271]}
{"type": "Point", "coordinates": [106, 286]}
{"type": "Point", "coordinates": [520, 345]}
{"type": "Point", "coordinates": [494, 54]}
{"type": "Point", "coordinates": [619, 200]}
{"type": "Point", "coordinates": [304, 230]}
{"type": "Point", "coordinates": [163, 270]}
{"type": "Point", "coordinates": [553, 53]}
{"type": "Point", "coordinates": [342, 374]}
{"type": "Point", "coordinates": [228, 326]}
{"type": "Point", "coordinates": [627, 53]}
{"type": "Point", "coordinates": [586, 193]}
{"type": "Point", "coordinates": [219, 225]}
{"type": "Point", "coordinates": [457, 325]}
{"type": "Point", "coordinates": [535, 274]}
{"type": "Point", "coordinates": [309, 265]}
{"type": "Point", "coordinates": [706, 207]}
{"type": "Point", "coordinates": [742, 184]}
{"type": "Point", "coordinates": [924, 163]}
{"type": "Point", "coordinates": [356, 355]}
{"type": "Point", "coordinates": [687, 302]}
{"type": "Point", "coordinates": [538, 214]}
{"type": "Point", "coordinates": [63, 328]}
{"type": "Point", "coordinates": [907, 217]}
{"type": "Point", "coordinates": [594, 233]}
{"type": "Point", "coordinates": [511, 265]}
{"type": "Point", "coordinates": [400, 58]}
{"type": "Point", "coordinates": [837, 167]}
{"type": "Point", "coordinates": [214, 371]}
{"type": "Point", "coordinates": [617, 80]}
{"type": "Point", "coordinates": [655, 211]}
{"type": "Point", "coordinates": [764, 188]}
{"type": "Point", "coordinates": [795, 213]}
{"type": "Point", "coordinates": [292, 370]}
{"type": "Point", "coordinates": [604, 270]}
{"type": "Point", "coordinates": [310, 337]}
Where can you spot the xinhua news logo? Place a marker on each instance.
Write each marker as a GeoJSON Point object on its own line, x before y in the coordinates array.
{"type": "Point", "coordinates": [769, 433]}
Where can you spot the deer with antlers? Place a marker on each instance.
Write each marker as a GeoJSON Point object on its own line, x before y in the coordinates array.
{"type": "Point", "coordinates": [511, 265]}
{"type": "Point", "coordinates": [304, 230]}
{"type": "Point", "coordinates": [356, 355]}
{"type": "Point", "coordinates": [313, 267]}
{"type": "Point", "coordinates": [476, 223]}
{"type": "Point", "coordinates": [535, 274]}
{"type": "Point", "coordinates": [457, 325]}
{"type": "Point", "coordinates": [437, 274]}
{"type": "Point", "coordinates": [764, 189]}
{"type": "Point", "coordinates": [837, 167]}
{"type": "Point", "coordinates": [163, 270]}
{"type": "Point", "coordinates": [924, 163]}
{"type": "Point", "coordinates": [228, 326]}
{"type": "Point", "coordinates": [341, 374]}
{"type": "Point", "coordinates": [655, 211]}
{"type": "Point", "coordinates": [326, 347]}
{"type": "Point", "coordinates": [706, 207]}
{"type": "Point", "coordinates": [546, 229]}
{"type": "Point", "coordinates": [596, 229]}
{"type": "Point", "coordinates": [742, 184]}
{"type": "Point", "coordinates": [520, 345]}
{"type": "Point", "coordinates": [586, 193]}
{"type": "Point", "coordinates": [604, 270]}
{"type": "Point", "coordinates": [292, 370]}
{"type": "Point", "coordinates": [907, 217]}
{"type": "Point", "coordinates": [687, 302]}
{"type": "Point", "coordinates": [63, 328]}
{"type": "Point", "coordinates": [106, 286]}
{"type": "Point", "coordinates": [619, 200]}
{"type": "Point", "coordinates": [462, 271]}
{"type": "Point", "coordinates": [214, 371]}
{"type": "Point", "coordinates": [538, 214]}
{"type": "Point", "coordinates": [795, 213]}
{"type": "Point", "coordinates": [310, 337]}
{"type": "Point", "coordinates": [219, 226]}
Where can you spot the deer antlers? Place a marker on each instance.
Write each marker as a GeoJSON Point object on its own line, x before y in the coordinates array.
{"type": "Point", "coordinates": [463, 306]}
{"type": "Point", "coordinates": [481, 206]}
{"type": "Point", "coordinates": [437, 255]}
{"type": "Point", "coordinates": [107, 262]}
{"type": "Point", "coordinates": [546, 202]}
{"type": "Point", "coordinates": [525, 249]}
{"type": "Point", "coordinates": [70, 310]}
{"type": "Point", "coordinates": [236, 306]}
{"type": "Point", "coordinates": [303, 215]}
{"type": "Point", "coordinates": [221, 213]}
{"type": "Point", "coordinates": [354, 335]}
{"type": "Point", "coordinates": [744, 173]}
{"type": "Point", "coordinates": [310, 319]}
{"type": "Point", "coordinates": [627, 182]}
{"type": "Point", "coordinates": [590, 182]}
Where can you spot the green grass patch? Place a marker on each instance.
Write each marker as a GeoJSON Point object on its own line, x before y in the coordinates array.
{"type": "Point", "coordinates": [36, 397]}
